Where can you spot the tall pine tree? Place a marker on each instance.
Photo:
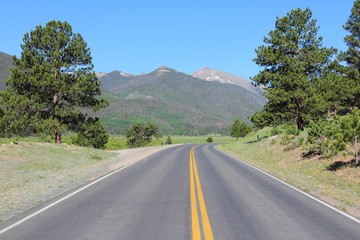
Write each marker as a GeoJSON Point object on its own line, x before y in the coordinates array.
{"type": "Point", "coordinates": [292, 58]}
{"type": "Point", "coordinates": [52, 84]}
{"type": "Point", "coordinates": [352, 56]}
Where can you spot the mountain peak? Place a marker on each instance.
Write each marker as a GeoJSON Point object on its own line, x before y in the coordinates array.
{"type": "Point", "coordinates": [163, 70]}
{"type": "Point", "coordinates": [123, 74]}
{"type": "Point", "coordinates": [209, 74]}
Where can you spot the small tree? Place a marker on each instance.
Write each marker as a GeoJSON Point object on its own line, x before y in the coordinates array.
{"type": "Point", "coordinates": [240, 129]}
{"type": "Point", "coordinates": [141, 134]}
{"type": "Point", "coordinates": [350, 125]}
{"type": "Point", "coordinates": [325, 137]}
{"type": "Point", "coordinates": [168, 140]}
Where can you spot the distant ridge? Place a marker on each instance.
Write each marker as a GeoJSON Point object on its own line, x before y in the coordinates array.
{"type": "Point", "coordinates": [5, 65]}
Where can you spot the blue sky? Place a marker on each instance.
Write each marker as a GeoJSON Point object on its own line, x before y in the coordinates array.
{"type": "Point", "coordinates": [138, 36]}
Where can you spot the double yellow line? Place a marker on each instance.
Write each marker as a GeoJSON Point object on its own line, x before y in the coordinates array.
{"type": "Point", "coordinates": [195, 190]}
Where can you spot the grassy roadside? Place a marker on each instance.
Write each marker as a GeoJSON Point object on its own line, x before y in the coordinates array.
{"type": "Point", "coordinates": [339, 188]}
{"type": "Point", "coordinates": [33, 172]}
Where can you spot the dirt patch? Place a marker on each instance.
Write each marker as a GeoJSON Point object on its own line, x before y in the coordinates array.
{"type": "Point", "coordinates": [129, 156]}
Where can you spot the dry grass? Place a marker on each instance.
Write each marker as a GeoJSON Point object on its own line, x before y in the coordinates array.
{"type": "Point", "coordinates": [33, 172]}
{"type": "Point", "coordinates": [339, 188]}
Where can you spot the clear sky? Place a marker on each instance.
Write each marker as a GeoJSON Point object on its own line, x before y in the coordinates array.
{"type": "Point", "coordinates": [138, 36]}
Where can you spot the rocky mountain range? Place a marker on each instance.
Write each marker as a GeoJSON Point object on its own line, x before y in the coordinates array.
{"type": "Point", "coordinates": [180, 103]}
{"type": "Point", "coordinates": [206, 102]}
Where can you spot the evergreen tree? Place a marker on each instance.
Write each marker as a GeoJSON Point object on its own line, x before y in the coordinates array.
{"type": "Point", "coordinates": [91, 134]}
{"type": "Point", "coordinates": [52, 84]}
{"type": "Point", "coordinates": [239, 129]}
{"type": "Point", "coordinates": [350, 125]}
{"type": "Point", "coordinates": [141, 134]}
{"type": "Point", "coordinates": [352, 55]}
{"type": "Point", "coordinates": [325, 137]}
{"type": "Point", "coordinates": [292, 58]}
{"type": "Point", "coordinates": [335, 91]}
{"type": "Point", "coordinates": [168, 140]}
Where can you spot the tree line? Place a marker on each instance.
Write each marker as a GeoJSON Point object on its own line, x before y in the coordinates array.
{"type": "Point", "coordinates": [309, 85]}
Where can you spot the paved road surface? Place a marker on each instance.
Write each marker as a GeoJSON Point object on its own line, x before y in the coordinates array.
{"type": "Point", "coordinates": [180, 193]}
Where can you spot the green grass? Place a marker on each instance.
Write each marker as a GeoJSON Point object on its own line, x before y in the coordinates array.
{"type": "Point", "coordinates": [339, 188]}
{"type": "Point", "coordinates": [116, 143]}
{"type": "Point", "coordinates": [119, 142]}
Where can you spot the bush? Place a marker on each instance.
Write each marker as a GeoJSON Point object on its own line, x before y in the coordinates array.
{"type": "Point", "coordinates": [292, 130]}
{"type": "Point", "coordinates": [141, 134]}
{"type": "Point", "coordinates": [325, 137]}
{"type": "Point", "coordinates": [209, 140]}
{"type": "Point", "coordinates": [275, 131]}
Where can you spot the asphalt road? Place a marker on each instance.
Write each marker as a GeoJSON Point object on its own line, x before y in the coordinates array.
{"type": "Point", "coordinates": [176, 194]}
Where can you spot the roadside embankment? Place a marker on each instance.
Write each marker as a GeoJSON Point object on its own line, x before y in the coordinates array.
{"type": "Point", "coordinates": [338, 188]}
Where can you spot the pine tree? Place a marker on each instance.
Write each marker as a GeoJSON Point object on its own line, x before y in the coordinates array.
{"type": "Point", "coordinates": [292, 58]}
{"type": "Point", "coordinates": [352, 55]}
{"type": "Point", "coordinates": [350, 125]}
{"type": "Point", "coordinates": [239, 129]}
{"type": "Point", "coordinates": [335, 92]}
{"type": "Point", "coordinates": [141, 134]}
{"type": "Point", "coordinates": [52, 84]}
{"type": "Point", "coordinates": [168, 140]}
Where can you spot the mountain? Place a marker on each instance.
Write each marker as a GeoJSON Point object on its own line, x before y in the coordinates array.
{"type": "Point", "coordinates": [180, 103]}
{"type": "Point", "coordinates": [5, 65]}
{"type": "Point", "coordinates": [209, 74]}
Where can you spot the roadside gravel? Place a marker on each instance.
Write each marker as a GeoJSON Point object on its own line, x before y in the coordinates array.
{"type": "Point", "coordinates": [33, 173]}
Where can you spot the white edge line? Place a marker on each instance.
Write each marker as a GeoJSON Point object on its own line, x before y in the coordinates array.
{"type": "Point", "coordinates": [295, 188]}
{"type": "Point", "coordinates": [62, 199]}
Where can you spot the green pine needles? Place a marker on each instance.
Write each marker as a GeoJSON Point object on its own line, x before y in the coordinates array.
{"type": "Point", "coordinates": [292, 58]}
{"type": "Point", "coordinates": [52, 86]}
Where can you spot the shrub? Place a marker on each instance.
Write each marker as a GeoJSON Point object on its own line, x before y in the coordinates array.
{"type": "Point", "coordinates": [91, 134]}
{"type": "Point", "coordinates": [275, 131]}
{"type": "Point", "coordinates": [292, 130]}
{"type": "Point", "coordinates": [325, 137]}
{"type": "Point", "coordinates": [209, 140]}
{"type": "Point", "coordinates": [141, 134]}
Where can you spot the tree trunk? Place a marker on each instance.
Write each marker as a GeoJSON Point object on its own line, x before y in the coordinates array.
{"type": "Point", "coordinates": [57, 137]}
{"type": "Point", "coordinates": [328, 112]}
{"type": "Point", "coordinates": [299, 120]}
{"type": "Point", "coordinates": [356, 146]}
